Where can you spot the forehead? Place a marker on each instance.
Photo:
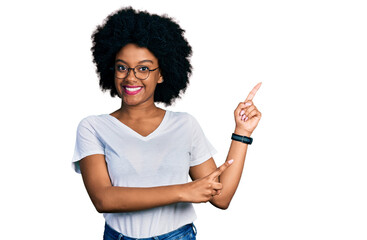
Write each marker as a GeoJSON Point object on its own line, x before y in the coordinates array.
{"type": "Point", "coordinates": [132, 54]}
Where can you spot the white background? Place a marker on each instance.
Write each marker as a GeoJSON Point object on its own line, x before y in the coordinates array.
{"type": "Point", "coordinates": [305, 174]}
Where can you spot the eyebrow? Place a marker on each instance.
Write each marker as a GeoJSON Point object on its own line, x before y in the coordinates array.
{"type": "Point", "coordinates": [143, 61]}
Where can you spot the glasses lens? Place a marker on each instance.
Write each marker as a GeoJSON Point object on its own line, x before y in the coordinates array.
{"type": "Point", "coordinates": [141, 72]}
{"type": "Point", "coordinates": [121, 71]}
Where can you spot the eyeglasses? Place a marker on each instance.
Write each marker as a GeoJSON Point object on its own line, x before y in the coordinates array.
{"type": "Point", "coordinates": [141, 72]}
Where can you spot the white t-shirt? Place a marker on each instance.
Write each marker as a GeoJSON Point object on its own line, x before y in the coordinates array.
{"type": "Point", "coordinates": [161, 158]}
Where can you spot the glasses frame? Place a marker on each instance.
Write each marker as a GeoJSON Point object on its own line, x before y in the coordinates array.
{"type": "Point", "coordinates": [128, 71]}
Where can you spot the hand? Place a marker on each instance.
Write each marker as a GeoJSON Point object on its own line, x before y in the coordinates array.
{"type": "Point", "coordinates": [204, 189]}
{"type": "Point", "coordinates": [246, 115]}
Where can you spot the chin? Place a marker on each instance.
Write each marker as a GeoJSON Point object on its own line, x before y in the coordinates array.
{"type": "Point", "coordinates": [130, 102]}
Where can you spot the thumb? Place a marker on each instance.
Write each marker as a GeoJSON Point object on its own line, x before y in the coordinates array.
{"type": "Point", "coordinates": [221, 169]}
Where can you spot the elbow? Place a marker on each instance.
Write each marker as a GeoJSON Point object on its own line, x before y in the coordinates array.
{"type": "Point", "coordinates": [102, 208]}
{"type": "Point", "coordinates": [106, 205]}
{"type": "Point", "coordinates": [223, 205]}
{"type": "Point", "coordinates": [102, 202]}
{"type": "Point", "coordinates": [99, 209]}
{"type": "Point", "coordinates": [101, 205]}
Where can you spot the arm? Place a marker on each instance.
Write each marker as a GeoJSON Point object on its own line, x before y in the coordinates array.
{"type": "Point", "coordinates": [205, 186]}
{"type": "Point", "coordinates": [108, 198]}
{"type": "Point", "coordinates": [237, 151]}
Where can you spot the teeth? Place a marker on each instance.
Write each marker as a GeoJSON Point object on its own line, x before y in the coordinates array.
{"type": "Point", "coordinates": [133, 89]}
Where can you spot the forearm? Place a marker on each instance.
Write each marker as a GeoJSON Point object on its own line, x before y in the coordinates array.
{"type": "Point", "coordinates": [124, 199]}
{"type": "Point", "coordinates": [231, 177]}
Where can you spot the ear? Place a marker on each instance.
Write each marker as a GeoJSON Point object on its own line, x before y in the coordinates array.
{"type": "Point", "coordinates": [160, 80]}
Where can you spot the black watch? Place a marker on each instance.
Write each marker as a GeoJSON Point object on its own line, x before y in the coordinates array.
{"type": "Point", "coordinates": [240, 138]}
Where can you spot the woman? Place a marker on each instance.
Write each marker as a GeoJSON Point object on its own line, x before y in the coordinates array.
{"type": "Point", "coordinates": [135, 161]}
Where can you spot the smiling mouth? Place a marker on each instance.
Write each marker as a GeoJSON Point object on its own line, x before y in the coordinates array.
{"type": "Point", "coordinates": [132, 90]}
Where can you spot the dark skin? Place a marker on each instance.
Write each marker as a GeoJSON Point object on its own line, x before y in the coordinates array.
{"type": "Point", "coordinates": [139, 113]}
{"type": "Point", "coordinates": [143, 126]}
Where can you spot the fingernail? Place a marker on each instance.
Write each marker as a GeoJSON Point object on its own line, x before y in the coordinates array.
{"type": "Point", "coordinates": [248, 104]}
{"type": "Point", "coordinates": [243, 117]}
{"type": "Point", "coordinates": [230, 161]}
{"type": "Point", "coordinates": [242, 112]}
{"type": "Point", "coordinates": [246, 119]}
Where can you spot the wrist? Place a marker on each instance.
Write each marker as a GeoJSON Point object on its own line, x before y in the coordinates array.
{"type": "Point", "coordinates": [242, 132]}
{"type": "Point", "coordinates": [183, 190]}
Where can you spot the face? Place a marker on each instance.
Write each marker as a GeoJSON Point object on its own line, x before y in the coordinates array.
{"type": "Point", "coordinates": [131, 89]}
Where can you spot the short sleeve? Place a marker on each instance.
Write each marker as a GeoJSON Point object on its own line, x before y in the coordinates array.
{"type": "Point", "coordinates": [87, 143]}
{"type": "Point", "coordinates": [201, 149]}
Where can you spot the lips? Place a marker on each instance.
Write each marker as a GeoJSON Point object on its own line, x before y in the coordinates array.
{"type": "Point", "coordinates": [132, 90]}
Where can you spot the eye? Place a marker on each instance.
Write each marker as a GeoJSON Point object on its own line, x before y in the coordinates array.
{"type": "Point", "coordinates": [121, 68]}
{"type": "Point", "coordinates": [142, 69]}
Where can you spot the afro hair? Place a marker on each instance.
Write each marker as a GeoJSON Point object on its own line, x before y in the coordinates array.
{"type": "Point", "coordinates": [159, 34]}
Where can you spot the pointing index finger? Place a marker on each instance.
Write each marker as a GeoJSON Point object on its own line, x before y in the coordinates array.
{"type": "Point", "coordinates": [253, 92]}
{"type": "Point", "coordinates": [222, 168]}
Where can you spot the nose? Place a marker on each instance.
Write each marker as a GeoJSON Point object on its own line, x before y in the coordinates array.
{"type": "Point", "coordinates": [130, 76]}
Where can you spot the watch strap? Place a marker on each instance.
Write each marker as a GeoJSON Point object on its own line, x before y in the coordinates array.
{"type": "Point", "coordinates": [240, 138]}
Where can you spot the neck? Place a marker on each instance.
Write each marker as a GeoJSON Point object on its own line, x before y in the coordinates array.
{"type": "Point", "coordinates": [138, 112]}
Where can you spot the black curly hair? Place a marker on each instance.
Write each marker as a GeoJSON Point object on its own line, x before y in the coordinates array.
{"type": "Point", "coordinates": [159, 34]}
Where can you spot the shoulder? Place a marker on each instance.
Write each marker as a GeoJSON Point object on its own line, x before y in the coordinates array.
{"type": "Point", "coordinates": [183, 119]}
{"type": "Point", "coordinates": [180, 116]}
{"type": "Point", "coordinates": [91, 120]}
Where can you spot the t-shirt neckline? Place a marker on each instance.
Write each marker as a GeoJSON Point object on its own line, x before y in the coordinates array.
{"type": "Point", "coordinates": [133, 132]}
